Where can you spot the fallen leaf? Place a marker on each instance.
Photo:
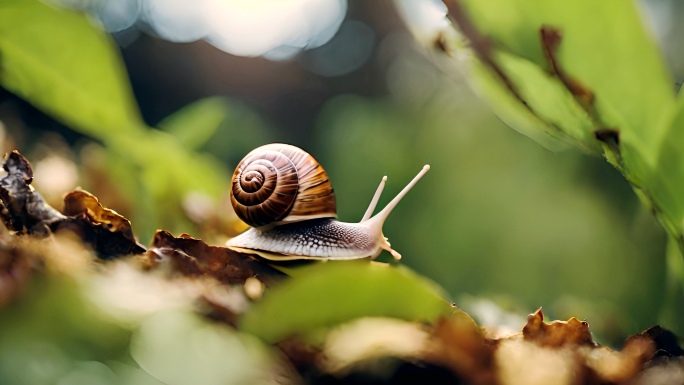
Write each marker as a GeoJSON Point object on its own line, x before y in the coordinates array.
{"type": "Point", "coordinates": [106, 231]}
{"type": "Point", "coordinates": [666, 343]}
{"type": "Point", "coordinates": [190, 256]}
{"type": "Point", "coordinates": [611, 366]}
{"type": "Point", "coordinates": [556, 333]}
{"type": "Point", "coordinates": [24, 210]}
{"type": "Point", "coordinates": [459, 344]}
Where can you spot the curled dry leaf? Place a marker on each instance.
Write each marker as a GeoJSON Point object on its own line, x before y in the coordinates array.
{"type": "Point", "coordinates": [104, 229]}
{"type": "Point", "coordinates": [23, 209]}
{"type": "Point", "coordinates": [82, 202]}
{"type": "Point", "coordinates": [193, 257]}
{"type": "Point", "coordinates": [556, 333]}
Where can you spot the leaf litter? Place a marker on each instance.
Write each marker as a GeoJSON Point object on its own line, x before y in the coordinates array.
{"type": "Point", "coordinates": [130, 281]}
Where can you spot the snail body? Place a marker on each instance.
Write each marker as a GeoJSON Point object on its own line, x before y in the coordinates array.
{"type": "Point", "coordinates": [287, 197]}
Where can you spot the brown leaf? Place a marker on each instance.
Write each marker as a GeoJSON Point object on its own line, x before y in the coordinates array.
{"type": "Point", "coordinates": [23, 209]}
{"type": "Point", "coordinates": [556, 333]}
{"type": "Point", "coordinates": [82, 202]}
{"type": "Point", "coordinates": [518, 361]}
{"type": "Point", "coordinates": [459, 344]}
{"type": "Point", "coordinates": [190, 256]}
{"type": "Point", "coordinates": [609, 366]}
{"type": "Point", "coordinates": [666, 343]}
{"type": "Point", "coordinates": [105, 230]}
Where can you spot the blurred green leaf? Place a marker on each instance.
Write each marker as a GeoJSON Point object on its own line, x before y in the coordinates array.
{"type": "Point", "coordinates": [50, 328]}
{"type": "Point", "coordinates": [179, 347]}
{"type": "Point", "coordinates": [221, 126]}
{"type": "Point", "coordinates": [674, 294]}
{"type": "Point", "coordinates": [59, 62]}
{"type": "Point", "coordinates": [195, 123]}
{"type": "Point", "coordinates": [129, 374]}
{"type": "Point", "coordinates": [168, 172]}
{"type": "Point", "coordinates": [331, 293]}
{"type": "Point", "coordinates": [666, 182]}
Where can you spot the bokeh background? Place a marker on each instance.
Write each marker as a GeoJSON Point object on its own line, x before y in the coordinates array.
{"type": "Point", "coordinates": [502, 223]}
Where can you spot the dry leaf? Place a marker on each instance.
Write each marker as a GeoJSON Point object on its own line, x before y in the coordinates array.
{"type": "Point", "coordinates": [26, 212]}
{"type": "Point", "coordinates": [556, 333]}
{"type": "Point", "coordinates": [460, 345]}
{"type": "Point", "coordinates": [105, 230]}
{"type": "Point", "coordinates": [23, 209]}
{"type": "Point", "coordinates": [190, 256]}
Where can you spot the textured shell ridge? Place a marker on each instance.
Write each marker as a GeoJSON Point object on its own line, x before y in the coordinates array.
{"type": "Point", "coordinates": [280, 183]}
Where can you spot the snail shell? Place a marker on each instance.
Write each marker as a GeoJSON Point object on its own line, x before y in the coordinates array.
{"type": "Point", "coordinates": [287, 197]}
{"type": "Point", "coordinates": [280, 183]}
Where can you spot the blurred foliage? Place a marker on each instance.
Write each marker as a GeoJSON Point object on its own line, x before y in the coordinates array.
{"type": "Point", "coordinates": [497, 216]}
{"type": "Point", "coordinates": [484, 220]}
{"type": "Point", "coordinates": [379, 290]}
{"type": "Point", "coordinates": [118, 326]}
{"type": "Point", "coordinates": [602, 85]}
{"type": "Point", "coordinates": [56, 59]}
{"type": "Point", "coordinates": [554, 63]}
{"type": "Point", "coordinates": [71, 69]}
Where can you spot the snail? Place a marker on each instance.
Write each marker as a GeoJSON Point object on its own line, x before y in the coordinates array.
{"type": "Point", "coordinates": [285, 195]}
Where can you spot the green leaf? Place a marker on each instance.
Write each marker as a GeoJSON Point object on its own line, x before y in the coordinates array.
{"type": "Point", "coordinates": [179, 347]}
{"type": "Point", "coordinates": [603, 46]}
{"type": "Point", "coordinates": [220, 126]}
{"type": "Point", "coordinates": [667, 180]}
{"type": "Point", "coordinates": [592, 75]}
{"type": "Point", "coordinates": [327, 294]}
{"type": "Point", "coordinates": [672, 313]}
{"type": "Point", "coordinates": [76, 330]}
{"type": "Point", "coordinates": [550, 115]}
{"type": "Point", "coordinates": [195, 123]}
{"type": "Point", "coordinates": [58, 61]}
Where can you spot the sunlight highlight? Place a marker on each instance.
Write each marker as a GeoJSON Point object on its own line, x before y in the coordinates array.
{"type": "Point", "coordinates": [275, 29]}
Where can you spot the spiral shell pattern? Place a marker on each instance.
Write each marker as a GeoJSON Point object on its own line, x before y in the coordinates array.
{"type": "Point", "coordinates": [279, 183]}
